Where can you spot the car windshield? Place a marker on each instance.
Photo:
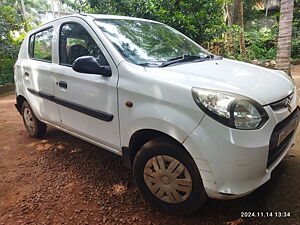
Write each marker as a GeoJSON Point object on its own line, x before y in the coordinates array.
{"type": "Point", "coordinates": [149, 43]}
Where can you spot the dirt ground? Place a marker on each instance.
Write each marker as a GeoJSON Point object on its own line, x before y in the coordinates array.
{"type": "Point", "coordinates": [63, 180]}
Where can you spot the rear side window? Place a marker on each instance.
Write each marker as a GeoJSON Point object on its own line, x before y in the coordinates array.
{"type": "Point", "coordinates": [40, 45]}
{"type": "Point", "coordinates": [74, 42]}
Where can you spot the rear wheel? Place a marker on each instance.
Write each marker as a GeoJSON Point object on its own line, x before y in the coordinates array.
{"type": "Point", "coordinates": [168, 177]}
{"type": "Point", "coordinates": [34, 127]}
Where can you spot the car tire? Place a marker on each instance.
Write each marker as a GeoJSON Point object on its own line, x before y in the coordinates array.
{"type": "Point", "coordinates": [34, 127]}
{"type": "Point", "coordinates": [168, 177]}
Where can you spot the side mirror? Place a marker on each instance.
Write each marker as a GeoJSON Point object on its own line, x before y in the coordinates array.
{"type": "Point", "coordinates": [89, 64]}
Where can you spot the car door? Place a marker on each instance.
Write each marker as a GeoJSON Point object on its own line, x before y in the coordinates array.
{"type": "Point", "coordinates": [87, 102]}
{"type": "Point", "coordinates": [38, 76]}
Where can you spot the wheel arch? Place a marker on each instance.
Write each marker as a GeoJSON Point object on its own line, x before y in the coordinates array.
{"type": "Point", "coordinates": [139, 138]}
{"type": "Point", "coordinates": [20, 99]}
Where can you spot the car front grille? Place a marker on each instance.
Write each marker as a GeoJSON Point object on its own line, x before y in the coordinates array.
{"type": "Point", "coordinates": [283, 103]}
{"type": "Point", "coordinates": [288, 125]}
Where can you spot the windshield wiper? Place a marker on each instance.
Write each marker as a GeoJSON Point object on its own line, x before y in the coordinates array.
{"type": "Point", "coordinates": [149, 64]}
{"type": "Point", "coordinates": [184, 58]}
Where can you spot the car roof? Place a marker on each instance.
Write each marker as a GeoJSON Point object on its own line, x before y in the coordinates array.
{"type": "Point", "coordinates": [104, 16]}
{"type": "Point", "coordinates": [91, 16]}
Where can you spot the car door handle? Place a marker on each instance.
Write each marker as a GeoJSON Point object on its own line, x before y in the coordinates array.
{"type": "Point", "coordinates": [26, 74]}
{"type": "Point", "coordinates": [62, 84]}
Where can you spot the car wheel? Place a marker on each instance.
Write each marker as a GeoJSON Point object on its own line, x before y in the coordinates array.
{"type": "Point", "coordinates": [34, 127]}
{"type": "Point", "coordinates": [168, 177]}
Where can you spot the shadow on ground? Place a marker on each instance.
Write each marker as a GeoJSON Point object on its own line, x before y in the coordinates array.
{"type": "Point", "coordinates": [102, 180]}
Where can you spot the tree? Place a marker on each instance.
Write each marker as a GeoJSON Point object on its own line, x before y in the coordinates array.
{"type": "Point", "coordinates": [27, 10]}
{"type": "Point", "coordinates": [241, 24]}
{"type": "Point", "coordinates": [23, 9]}
{"type": "Point", "coordinates": [201, 20]}
{"type": "Point", "coordinates": [285, 36]}
{"type": "Point", "coordinates": [234, 11]}
{"type": "Point", "coordinates": [8, 46]}
{"type": "Point", "coordinates": [8, 23]}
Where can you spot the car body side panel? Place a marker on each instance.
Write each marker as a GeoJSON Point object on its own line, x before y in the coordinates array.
{"type": "Point", "coordinates": [158, 103]}
{"type": "Point", "coordinates": [18, 69]}
{"type": "Point", "coordinates": [39, 78]}
{"type": "Point", "coordinates": [90, 91]}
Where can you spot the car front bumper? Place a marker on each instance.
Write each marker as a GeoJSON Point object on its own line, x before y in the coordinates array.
{"type": "Point", "coordinates": [232, 162]}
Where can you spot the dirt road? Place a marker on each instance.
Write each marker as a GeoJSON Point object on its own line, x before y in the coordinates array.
{"type": "Point", "coordinates": [63, 180]}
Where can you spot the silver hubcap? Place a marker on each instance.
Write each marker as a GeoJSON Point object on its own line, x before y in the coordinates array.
{"type": "Point", "coordinates": [168, 179]}
{"type": "Point", "coordinates": [28, 118]}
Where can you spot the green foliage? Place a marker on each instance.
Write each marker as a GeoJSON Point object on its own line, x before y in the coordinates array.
{"type": "Point", "coordinates": [296, 31]}
{"type": "Point", "coordinates": [6, 71]}
{"type": "Point", "coordinates": [201, 20]}
{"type": "Point", "coordinates": [7, 24]}
{"type": "Point", "coordinates": [9, 46]}
{"type": "Point", "coordinates": [32, 9]}
{"type": "Point", "coordinates": [296, 24]}
{"type": "Point", "coordinates": [260, 43]}
{"type": "Point", "coordinates": [250, 13]}
{"type": "Point", "coordinates": [296, 48]}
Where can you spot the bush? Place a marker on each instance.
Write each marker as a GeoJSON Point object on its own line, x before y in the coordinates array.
{"type": "Point", "coordinates": [200, 20]}
{"type": "Point", "coordinates": [9, 46]}
{"type": "Point", "coordinates": [6, 71]}
{"type": "Point", "coordinates": [296, 48]}
{"type": "Point", "coordinates": [8, 60]}
{"type": "Point", "coordinates": [260, 43]}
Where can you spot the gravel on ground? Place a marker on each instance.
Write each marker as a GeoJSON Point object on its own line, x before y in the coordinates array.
{"type": "Point", "coordinates": [63, 180]}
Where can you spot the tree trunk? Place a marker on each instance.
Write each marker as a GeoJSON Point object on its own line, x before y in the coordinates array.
{"type": "Point", "coordinates": [231, 11]}
{"type": "Point", "coordinates": [285, 36]}
{"type": "Point", "coordinates": [267, 10]}
{"type": "Point", "coordinates": [58, 7]}
{"type": "Point", "coordinates": [53, 8]}
{"type": "Point", "coordinates": [227, 13]}
{"type": "Point", "coordinates": [241, 24]}
{"type": "Point", "coordinates": [23, 10]}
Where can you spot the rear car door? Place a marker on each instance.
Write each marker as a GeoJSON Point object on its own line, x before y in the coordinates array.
{"type": "Point", "coordinates": [38, 76]}
{"type": "Point", "coordinates": [87, 102]}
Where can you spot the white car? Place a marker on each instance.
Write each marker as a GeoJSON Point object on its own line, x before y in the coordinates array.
{"type": "Point", "coordinates": [188, 123]}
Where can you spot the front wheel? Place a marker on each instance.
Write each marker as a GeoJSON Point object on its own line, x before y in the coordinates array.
{"type": "Point", "coordinates": [34, 127]}
{"type": "Point", "coordinates": [168, 177]}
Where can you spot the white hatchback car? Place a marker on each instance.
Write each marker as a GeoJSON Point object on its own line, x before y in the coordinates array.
{"type": "Point", "coordinates": [188, 123]}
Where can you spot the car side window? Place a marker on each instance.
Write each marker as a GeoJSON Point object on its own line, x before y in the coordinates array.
{"type": "Point", "coordinates": [40, 45]}
{"type": "Point", "coordinates": [74, 42]}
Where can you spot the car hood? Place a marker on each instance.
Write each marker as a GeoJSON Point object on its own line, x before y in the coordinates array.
{"type": "Point", "coordinates": [261, 84]}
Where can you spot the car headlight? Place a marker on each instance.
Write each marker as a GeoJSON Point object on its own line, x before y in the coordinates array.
{"type": "Point", "coordinates": [230, 109]}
